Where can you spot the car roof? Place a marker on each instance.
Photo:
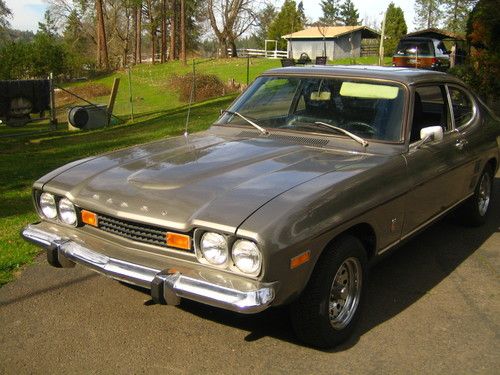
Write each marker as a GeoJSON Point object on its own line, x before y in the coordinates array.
{"type": "Point", "coordinates": [404, 75]}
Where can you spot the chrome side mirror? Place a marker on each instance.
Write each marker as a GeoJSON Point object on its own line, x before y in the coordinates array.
{"type": "Point", "coordinates": [431, 133]}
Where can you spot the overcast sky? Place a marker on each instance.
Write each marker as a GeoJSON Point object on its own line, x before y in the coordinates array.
{"type": "Point", "coordinates": [27, 13]}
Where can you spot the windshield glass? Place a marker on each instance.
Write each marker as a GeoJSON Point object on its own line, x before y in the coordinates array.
{"type": "Point", "coordinates": [367, 109]}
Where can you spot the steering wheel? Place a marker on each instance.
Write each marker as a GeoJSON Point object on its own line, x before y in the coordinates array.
{"type": "Point", "coordinates": [362, 127]}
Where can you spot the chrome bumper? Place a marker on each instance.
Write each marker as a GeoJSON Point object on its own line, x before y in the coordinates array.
{"type": "Point", "coordinates": [167, 285]}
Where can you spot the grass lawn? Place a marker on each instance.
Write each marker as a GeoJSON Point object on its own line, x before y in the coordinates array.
{"type": "Point", "coordinates": [28, 152]}
{"type": "Point", "coordinates": [26, 158]}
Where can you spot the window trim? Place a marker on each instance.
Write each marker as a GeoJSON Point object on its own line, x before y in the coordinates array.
{"type": "Point", "coordinates": [471, 98]}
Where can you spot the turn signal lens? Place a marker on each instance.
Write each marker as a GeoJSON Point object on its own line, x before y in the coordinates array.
{"type": "Point", "coordinates": [180, 241]}
{"type": "Point", "coordinates": [89, 218]}
{"type": "Point", "coordinates": [300, 259]}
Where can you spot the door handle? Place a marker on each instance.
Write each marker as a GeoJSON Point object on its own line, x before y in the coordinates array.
{"type": "Point", "coordinates": [461, 143]}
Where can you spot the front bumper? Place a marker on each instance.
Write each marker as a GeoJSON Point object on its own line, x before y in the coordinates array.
{"type": "Point", "coordinates": [167, 285]}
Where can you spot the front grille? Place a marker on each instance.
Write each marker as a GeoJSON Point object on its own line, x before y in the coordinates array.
{"type": "Point", "coordinates": [143, 233]}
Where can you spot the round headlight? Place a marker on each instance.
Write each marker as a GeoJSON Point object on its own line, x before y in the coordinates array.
{"type": "Point", "coordinates": [214, 249]}
{"type": "Point", "coordinates": [67, 212]}
{"type": "Point", "coordinates": [48, 205]}
{"type": "Point", "coordinates": [246, 256]}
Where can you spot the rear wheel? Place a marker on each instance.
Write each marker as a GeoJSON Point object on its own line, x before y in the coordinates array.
{"type": "Point", "coordinates": [326, 312]}
{"type": "Point", "coordinates": [475, 210]}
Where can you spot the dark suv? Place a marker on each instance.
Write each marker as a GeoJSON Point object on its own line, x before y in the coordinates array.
{"type": "Point", "coordinates": [426, 53]}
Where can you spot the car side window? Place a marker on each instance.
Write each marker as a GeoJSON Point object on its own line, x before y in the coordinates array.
{"type": "Point", "coordinates": [463, 108]}
{"type": "Point", "coordinates": [430, 109]}
{"type": "Point", "coordinates": [441, 49]}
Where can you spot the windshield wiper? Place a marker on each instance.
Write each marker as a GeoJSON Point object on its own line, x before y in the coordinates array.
{"type": "Point", "coordinates": [258, 127]}
{"type": "Point", "coordinates": [346, 132]}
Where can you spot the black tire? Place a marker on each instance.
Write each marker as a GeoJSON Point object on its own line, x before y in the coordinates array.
{"type": "Point", "coordinates": [317, 317]}
{"type": "Point", "coordinates": [474, 211]}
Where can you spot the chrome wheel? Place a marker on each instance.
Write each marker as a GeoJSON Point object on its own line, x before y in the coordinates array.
{"type": "Point", "coordinates": [484, 193]}
{"type": "Point", "coordinates": [345, 293]}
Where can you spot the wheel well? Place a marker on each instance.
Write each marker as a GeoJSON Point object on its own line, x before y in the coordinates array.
{"type": "Point", "coordinates": [365, 233]}
{"type": "Point", "coordinates": [493, 163]}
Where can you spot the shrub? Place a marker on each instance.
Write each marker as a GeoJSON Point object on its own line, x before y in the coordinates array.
{"type": "Point", "coordinates": [206, 86]}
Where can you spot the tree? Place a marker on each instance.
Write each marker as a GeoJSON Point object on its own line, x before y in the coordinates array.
{"type": "Point", "coordinates": [4, 14]}
{"type": "Point", "coordinates": [286, 22]}
{"type": "Point", "coordinates": [300, 9]}
{"type": "Point", "coordinates": [456, 13]}
{"type": "Point", "coordinates": [395, 28]}
{"type": "Point", "coordinates": [264, 18]}
{"type": "Point", "coordinates": [428, 13]}
{"type": "Point", "coordinates": [331, 12]}
{"type": "Point", "coordinates": [483, 35]}
{"type": "Point", "coordinates": [229, 20]}
{"type": "Point", "coordinates": [349, 15]}
{"type": "Point", "coordinates": [102, 45]}
{"type": "Point", "coordinates": [48, 26]}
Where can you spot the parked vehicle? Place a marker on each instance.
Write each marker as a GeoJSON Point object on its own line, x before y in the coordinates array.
{"type": "Point", "coordinates": [426, 53]}
{"type": "Point", "coordinates": [308, 178]}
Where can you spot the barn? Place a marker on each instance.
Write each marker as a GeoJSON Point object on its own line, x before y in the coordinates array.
{"type": "Point", "coordinates": [338, 41]}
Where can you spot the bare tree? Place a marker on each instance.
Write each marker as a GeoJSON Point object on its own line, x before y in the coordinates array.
{"type": "Point", "coordinates": [229, 20]}
{"type": "Point", "coordinates": [183, 32]}
{"type": "Point", "coordinates": [102, 46]}
{"type": "Point", "coordinates": [172, 55]}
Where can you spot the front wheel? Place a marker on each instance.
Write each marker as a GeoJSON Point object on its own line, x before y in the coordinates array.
{"type": "Point", "coordinates": [326, 312]}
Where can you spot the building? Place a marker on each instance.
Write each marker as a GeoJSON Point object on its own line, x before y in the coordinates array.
{"type": "Point", "coordinates": [336, 41]}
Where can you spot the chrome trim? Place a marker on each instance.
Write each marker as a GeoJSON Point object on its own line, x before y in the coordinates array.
{"type": "Point", "coordinates": [422, 226]}
{"type": "Point", "coordinates": [230, 292]}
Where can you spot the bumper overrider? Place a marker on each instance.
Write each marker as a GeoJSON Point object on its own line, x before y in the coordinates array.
{"type": "Point", "coordinates": [167, 285]}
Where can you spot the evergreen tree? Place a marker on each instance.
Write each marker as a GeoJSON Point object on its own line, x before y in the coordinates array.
{"type": "Point", "coordinates": [395, 28]}
{"type": "Point", "coordinates": [428, 13]}
{"type": "Point", "coordinates": [264, 19]}
{"type": "Point", "coordinates": [300, 9]}
{"type": "Point", "coordinates": [456, 13]}
{"type": "Point", "coordinates": [4, 14]}
{"type": "Point", "coordinates": [48, 26]}
{"type": "Point", "coordinates": [349, 15]}
{"type": "Point", "coordinates": [286, 22]}
{"type": "Point", "coordinates": [331, 12]}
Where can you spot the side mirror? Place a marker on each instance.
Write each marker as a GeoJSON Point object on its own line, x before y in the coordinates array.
{"type": "Point", "coordinates": [431, 133]}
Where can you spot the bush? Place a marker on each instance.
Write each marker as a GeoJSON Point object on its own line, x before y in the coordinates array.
{"type": "Point", "coordinates": [206, 86]}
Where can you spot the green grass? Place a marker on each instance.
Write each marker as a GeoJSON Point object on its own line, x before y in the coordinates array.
{"type": "Point", "coordinates": [28, 152]}
{"type": "Point", "coordinates": [28, 158]}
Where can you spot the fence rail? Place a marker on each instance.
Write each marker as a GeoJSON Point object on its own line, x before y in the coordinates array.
{"type": "Point", "coordinates": [251, 52]}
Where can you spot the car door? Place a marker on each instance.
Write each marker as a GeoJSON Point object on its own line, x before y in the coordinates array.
{"type": "Point", "coordinates": [436, 168]}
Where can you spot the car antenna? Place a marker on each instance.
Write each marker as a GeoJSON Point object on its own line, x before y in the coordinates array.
{"type": "Point", "coordinates": [191, 96]}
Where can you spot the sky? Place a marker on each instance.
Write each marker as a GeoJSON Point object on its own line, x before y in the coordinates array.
{"type": "Point", "coordinates": [27, 13]}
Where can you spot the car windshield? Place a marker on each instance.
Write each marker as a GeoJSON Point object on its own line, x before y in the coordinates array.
{"type": "Point", "coordinates": [370, 110]}
{"type": "Point", "coordinates": [414, 47]}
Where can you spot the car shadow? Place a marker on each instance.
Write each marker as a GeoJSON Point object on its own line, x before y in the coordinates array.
{"type": "Point", "coordinates": [396, 282]}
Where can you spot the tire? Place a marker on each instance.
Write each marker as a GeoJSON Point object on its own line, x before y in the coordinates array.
{"type": "Point", "coordinates": [324, 315]}
{"type": "Point", "coordinates": [475, 210]}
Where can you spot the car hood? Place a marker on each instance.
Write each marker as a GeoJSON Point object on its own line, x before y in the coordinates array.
{"type": "Point", "coordinates": [200, 181]}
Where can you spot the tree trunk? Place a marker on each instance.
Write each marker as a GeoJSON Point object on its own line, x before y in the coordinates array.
{"type": "Point", "coordinates": [134, 20]}
{"type": "Point", "coordinates": [183, 32]}
{"type": "Point", "coordinates": [102, 46]}
{"type": "Point", "coordinates": [173, 27]}
{"type": "Point", "coordinates": [138, 35]}
{"type": "Point", "coordinates": [163, 30]}
{"type": "Point", "coordinates": [234, 52]}
{"type": "Point", "coordinates": [153, 45]}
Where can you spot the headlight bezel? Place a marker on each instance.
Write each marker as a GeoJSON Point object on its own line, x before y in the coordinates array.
{"type": "Point", "coordinates": [37, 195]}
{"type": "Point", "coordinates": [229, 265]}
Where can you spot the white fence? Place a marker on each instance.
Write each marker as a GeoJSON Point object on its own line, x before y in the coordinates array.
{"type": "Point", "coordinates": [250, 52]}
